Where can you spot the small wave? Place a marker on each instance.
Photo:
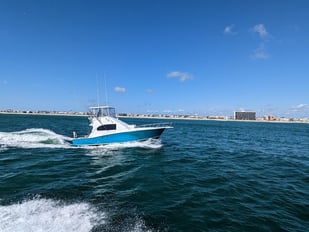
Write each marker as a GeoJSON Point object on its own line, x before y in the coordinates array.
{"type": "Point", "coordinates": [3, 148]}
{"type": "Point", "coordinates": [130, 223]}
{"type": "Point", "coordinates": [34, 138]}
{"type": "Point", "coordinates": [148, 144]}
{"type": "Point", "coordinates": [48, 215]}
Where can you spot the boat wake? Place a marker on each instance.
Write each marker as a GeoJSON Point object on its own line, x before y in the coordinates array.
{"type": "Point", "coordinates": [48, 215]}
{"type": "Point", "coordinates": [147, 144]}
{"type": "Point", "coordinates": [33, 138]}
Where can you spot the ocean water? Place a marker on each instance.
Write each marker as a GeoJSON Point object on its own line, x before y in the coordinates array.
{"type": "Point", "coordinates": [201, 176]}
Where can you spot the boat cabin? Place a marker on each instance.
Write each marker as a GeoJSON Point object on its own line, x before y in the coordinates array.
{"type": "Point", "coordinates": [103, 111]}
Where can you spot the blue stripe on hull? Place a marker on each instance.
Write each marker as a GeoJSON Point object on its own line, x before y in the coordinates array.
{"type": "Point", "coordinates": [120, 137]}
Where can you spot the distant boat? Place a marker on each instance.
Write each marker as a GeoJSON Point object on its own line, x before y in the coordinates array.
{"type": "Point", "coordinates": [108, 129]}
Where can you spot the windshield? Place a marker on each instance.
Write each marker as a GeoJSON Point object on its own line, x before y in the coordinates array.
{"type": "Point", "coordinates": [103, 111]}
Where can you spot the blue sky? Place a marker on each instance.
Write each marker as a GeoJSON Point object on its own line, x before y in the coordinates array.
{"type": "Point", "coordinates": [179, 57]}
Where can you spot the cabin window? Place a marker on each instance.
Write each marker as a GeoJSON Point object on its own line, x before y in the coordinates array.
{"type": "Point", "coordinates": [107, 127]}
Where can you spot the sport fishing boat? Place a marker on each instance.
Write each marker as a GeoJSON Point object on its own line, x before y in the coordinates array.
{"type": "Point", "coordinates": [107, 129]}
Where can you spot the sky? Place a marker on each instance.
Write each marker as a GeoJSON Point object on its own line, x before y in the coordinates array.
{"type": "Point", "coordinates": [156, 57]}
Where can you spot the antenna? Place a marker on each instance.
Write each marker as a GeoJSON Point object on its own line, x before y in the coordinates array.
{"type": "Point", "coordinates": [106, 99]}
{"type": "Point", "coordinates": [98, 91]}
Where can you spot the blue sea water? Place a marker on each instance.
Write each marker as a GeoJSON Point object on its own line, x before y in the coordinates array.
{"type": "Point", "coordinates": [201, 176]}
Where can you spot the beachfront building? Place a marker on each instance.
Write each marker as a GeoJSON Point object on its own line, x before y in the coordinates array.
{"type": "Point", "coordinates": [244, 115]}
{"type": "Point", "coordinates": [269, 118]}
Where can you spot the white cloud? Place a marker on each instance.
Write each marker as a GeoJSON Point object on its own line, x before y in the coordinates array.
{"type": "Point", "coordinates": [149, 91]}
{"type": "Point", "coordinates": [298, 111]}
{"type": "Point", "coordinates": [120, 89]}
{"type": "Point", "coordinates": [152, 111]}
{"type": "Point", "coordinates": [261, 30]}
{"type": "Point", "coordinates": [180, 75]}
{"type": "Point", "coordinates": [300, 107]}
{"type": "Point", "coordinates": [260, 52]}
{"type": "Point", "coordinates": [228, 30]}
{"type": "Point", "coordinates": [167, 111]}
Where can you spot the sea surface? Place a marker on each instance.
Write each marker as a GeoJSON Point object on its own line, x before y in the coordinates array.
{"type": "Point", "coordinates": [201, 176]}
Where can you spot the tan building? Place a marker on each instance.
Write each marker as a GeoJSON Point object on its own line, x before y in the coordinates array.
{"type": "Point", "coordinates": [270, 118]}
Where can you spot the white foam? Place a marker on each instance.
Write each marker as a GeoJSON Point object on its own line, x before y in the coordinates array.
{"type": "Point", "coordinates": [3, 148]}
{"type": "Point", "coordinates": [140, 226]}
{"type": "Point", "coordinates": [106, 149]}
{"type": "Point", "coordinates": [48, 215]}
{"type": "Point", "coordinates": [34, 138]}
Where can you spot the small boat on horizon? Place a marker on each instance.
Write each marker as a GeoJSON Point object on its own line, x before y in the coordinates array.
{"type": "Point", "coordinates": [108, 129]}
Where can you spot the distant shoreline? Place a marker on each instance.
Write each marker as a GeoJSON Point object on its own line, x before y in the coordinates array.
{"type": "Point", "coordinates": [210, 119]}
{"type": "Point", "coordinates": [47, 114]}
{"type": "Point", "coordinates": [164, 117]}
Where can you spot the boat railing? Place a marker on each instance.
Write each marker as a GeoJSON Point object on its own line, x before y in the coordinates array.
{"type": "Point", "coordinates": [160, 124]}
